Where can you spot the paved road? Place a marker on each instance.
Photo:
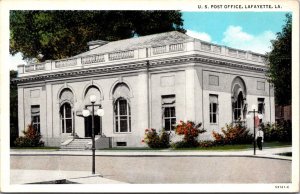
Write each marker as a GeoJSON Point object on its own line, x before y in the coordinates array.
{"type": "Point", "coordinates": [164, 168]}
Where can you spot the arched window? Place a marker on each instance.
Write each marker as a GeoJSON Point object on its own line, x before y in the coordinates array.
{"type": "Point", "coordinates": [238, 107]}
{"type": "Point", "coordinates": [122, 115]}
{"type": "Point", "coordinates": [239, 104]}
{"type": "Point", "coordinates": [66, 118]}
{"type": "Point", "coordinates": [66, 101]}
{"type": "Point", "coordinates": [122, 111]}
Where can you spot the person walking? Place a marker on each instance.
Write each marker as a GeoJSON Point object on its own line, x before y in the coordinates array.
{"type": "Point", "coordinates": [260, 138]}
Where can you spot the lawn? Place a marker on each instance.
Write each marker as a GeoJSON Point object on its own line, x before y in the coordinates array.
{"type": "Point", "coordinates": [36, 148]}
{"type": "Point", "coordinates": [214, 148]}
{"type": "Point", "coordinates": [239, 146]}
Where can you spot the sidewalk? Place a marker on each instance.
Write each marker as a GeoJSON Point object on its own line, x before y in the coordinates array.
{"type": "Point", "coordinates": [266, 152]}
{"type": "Point", "coordinates": [20, 176]}
{"type": "Point", "coordinates": [131, 166]}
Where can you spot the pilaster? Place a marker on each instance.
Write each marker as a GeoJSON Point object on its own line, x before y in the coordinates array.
{"type": "Point", "coordinates": [49, 110]}
{"type": "Point", "coordinates": [190, 74]}
{"type": "Point", "coordinates": [21, 115]}
{"type": "Point", "coordinates": [143, 101]}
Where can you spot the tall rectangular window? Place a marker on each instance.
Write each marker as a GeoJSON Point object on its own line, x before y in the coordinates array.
{"type": "Point", "coordinates": [213, 109]}
{"type": "Point", "coordinates": [122, 115]}
{"type": "Point", "coordinates": [261, 107]}
{"type": "Point", "coordinates": [35, 117]}
{"type": "Point", "coordinates": [169, 112]}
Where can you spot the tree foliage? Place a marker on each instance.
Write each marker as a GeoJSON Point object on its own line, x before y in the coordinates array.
{"type": "Point", "coordinates": [280, 63]}
{"type": "Point", "coordinates": [58, 34]}
{"type": "Point", "coordinates": [13, 108]}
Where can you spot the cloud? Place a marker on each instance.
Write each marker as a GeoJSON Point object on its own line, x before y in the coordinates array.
{"type": "Point", "coordinates": [199, 35]}
{"type": "Point", "coordinates": [235, 37]}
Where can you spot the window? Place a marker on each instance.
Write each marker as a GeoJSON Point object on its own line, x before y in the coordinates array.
{"type": "Point", "coordinates": [261, 107]}
{"type": "Point", "coordinates": [122, 115]}
{"type": "Point", "coordinates": [213, 108]}
{"type": "Point", "coordinates": [66, 118]}
{"type": "Point", "coordinates": [169, 112]}
{"type": "Point", "coordinates": [238, 106]}
{"type": "Point", "coordinates": [35, 117]}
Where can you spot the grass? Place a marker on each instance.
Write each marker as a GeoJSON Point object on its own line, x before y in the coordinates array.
{"type": "Point", "coordinates": [36, 148]}
{"type": "Point", "coordinates": [239, 146]}
{"type": "Point", "coordinates": [214, 148]}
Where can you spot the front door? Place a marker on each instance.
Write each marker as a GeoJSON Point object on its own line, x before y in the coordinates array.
{"type": "Point", "coordinates": [88, 125]}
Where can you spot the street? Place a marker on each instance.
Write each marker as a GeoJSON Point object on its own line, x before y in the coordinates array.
{"type": "Point", "coordinates": [164, 168]}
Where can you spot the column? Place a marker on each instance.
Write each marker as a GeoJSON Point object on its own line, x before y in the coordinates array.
{"type": "Point", "coordinates": [190, 73]}
{"type": "Point", "coordinates": [49, 105]}
{"type": "Point", "coordinates": [143, 100]}
{"type": "Point", "coordinates": [21, 111]}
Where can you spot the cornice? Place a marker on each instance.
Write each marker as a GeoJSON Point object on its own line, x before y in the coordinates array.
{"type": "Point", "coordinates": [209, 61]}
{"type": "Point", "coordinates": [144, 65]}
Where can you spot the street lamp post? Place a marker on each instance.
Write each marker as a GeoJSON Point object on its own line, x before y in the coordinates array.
{"type": "Point", "coordinates": [100, 113]}
{"type": "Point", "coordinates": [254, 110]}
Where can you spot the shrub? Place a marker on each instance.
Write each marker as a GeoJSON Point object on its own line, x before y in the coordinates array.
{"type": "Point", "coordinates": [280, 131]}
{"type": "Point", "coordinates": [191, 131]}
{"type": "Point", "coordinates": [233, 134]}
{"type": "Point", "coordinates": [206, 143]}
{"type": "Point", "coordinates": [154, 140]}
{"type": "Point", "coordinates": [32, 138]}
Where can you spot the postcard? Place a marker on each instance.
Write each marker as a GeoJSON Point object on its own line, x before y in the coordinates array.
{"type": "Point", "coordinates": [149, 96]}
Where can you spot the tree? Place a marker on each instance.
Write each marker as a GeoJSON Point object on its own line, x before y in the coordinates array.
{"type": "Point", "coordinates": [280, 62]}
{"type": "Point", "coordinates": [13, 108]}
{"type": "Point", "coordinates": [59, 34]}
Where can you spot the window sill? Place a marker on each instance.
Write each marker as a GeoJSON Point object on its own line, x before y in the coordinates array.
{"type": "Point", "coordinates": [122, 132]}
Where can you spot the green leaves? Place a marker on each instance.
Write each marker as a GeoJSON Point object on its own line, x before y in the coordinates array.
{"type": "Point", "coordinates": [280, 62]}
{"type": "Point", "coordinates": [60, 34]}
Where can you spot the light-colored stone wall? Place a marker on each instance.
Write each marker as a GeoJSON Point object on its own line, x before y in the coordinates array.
{"type": "Point", "coordinates": [174, 68]}
{"type": "Point", "coordinates": [223, 90]}
{"type": "Point", "coordinates": [158, 89]}
{"type": "Point", "coordinates": [190, 85]}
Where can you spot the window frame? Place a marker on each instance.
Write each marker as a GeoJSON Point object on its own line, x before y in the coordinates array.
{"type": "Point", "coordinates": [169, 106]}
{"type": "Point", "coordinates": [238, 108]}
{"type": "Point", "coordinates": [63, 118]}
{"type": "Point", "coordinates": [36, 124]}
{"type": "Point", "coordinates": [261, 102]}
{"type": "Point", "coordinates": [170, 118]}
{"type": "Point", "coordinates": [117, 117]}
{"type": "Point", "coordinates": [211, 113]}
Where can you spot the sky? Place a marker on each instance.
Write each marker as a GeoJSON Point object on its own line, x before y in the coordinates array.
{"type": "Point", "coordinates": [242, 30]}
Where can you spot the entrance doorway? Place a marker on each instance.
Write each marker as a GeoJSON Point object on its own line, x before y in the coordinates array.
{"type": "Point", "coordinates": [88, 125]}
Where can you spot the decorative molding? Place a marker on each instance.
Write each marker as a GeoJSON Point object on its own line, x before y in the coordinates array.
{"type": "Point", "coordinates": [159, 50]}
{"type": "Point", "coordinates": [65, 86]}
{"type": "Point", "coordinates": [65, 63]}
{"type": "Point", "coordinates": [121, 55]}
{"type": "Point", "coordinates": [142, 65]}
{"type": "Point", "coordinates": [88, 85]}
{"type": "Point", "coordinates": [92, 59]}
{"type": "Point", "coordinates": [115, 84]}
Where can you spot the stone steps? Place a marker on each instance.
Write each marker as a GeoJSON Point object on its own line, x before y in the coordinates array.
{"type": "Point", "coordinates": [77, 144]}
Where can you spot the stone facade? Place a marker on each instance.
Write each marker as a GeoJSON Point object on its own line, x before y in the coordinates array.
{"type": "Point", "coordinates": [144, 82]}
